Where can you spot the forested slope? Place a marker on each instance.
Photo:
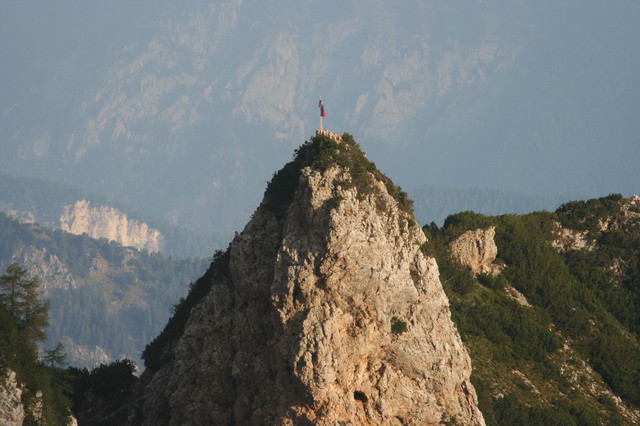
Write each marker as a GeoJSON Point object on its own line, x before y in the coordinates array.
{"type": "Point", "coordinates": [107, 301]}
{"type": "Point", "coordinates": [553, 336]}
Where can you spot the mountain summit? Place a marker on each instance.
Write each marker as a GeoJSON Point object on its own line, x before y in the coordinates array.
{"type": "Point", "coordinates": [322, 310]}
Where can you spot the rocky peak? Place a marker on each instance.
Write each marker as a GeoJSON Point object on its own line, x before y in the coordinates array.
{"type": "Point", "coordinates": [569, 239]}
{"type": "Point", "coordinates": [628, 215]}
{"type": "Point", "coordinates": [17, 410]}
{"type": "Point", "coordinates": [323, 310]}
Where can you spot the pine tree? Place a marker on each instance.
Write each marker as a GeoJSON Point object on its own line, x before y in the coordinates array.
{"type": "Point", "coordinates": [10, 288]}
{"type": "Point", "coordinates": [19, 295]}
{"type": "Point", "coordinates": [35, 317]}
{"type": "Point", "coordinates": [55, 357]}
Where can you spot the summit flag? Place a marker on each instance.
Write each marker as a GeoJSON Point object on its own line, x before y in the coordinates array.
{"type": "Point", "coordinates": [322, 111]}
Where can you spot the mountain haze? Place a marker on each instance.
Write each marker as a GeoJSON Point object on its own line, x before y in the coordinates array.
{"type": "Point", "coordinates": [163, 105]}
{"type": "Point", "coordinates": [435, 203]}
{"type": "Point", "coordinates": [58, 206]}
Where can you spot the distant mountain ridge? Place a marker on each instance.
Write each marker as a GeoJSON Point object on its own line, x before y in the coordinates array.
{"type": "Point", "coordinates": [193, 104]}
{"type": "Point", "coordinates": [59, 206]}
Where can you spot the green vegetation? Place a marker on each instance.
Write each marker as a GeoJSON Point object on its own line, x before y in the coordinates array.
{"type": "Point", "coordinates": [398, 326]}
{"type": "Point", "coordinates": [521, 371]}
{"type": "Point", "coordinates": [321, 153]}
{"type": "Point", "coordinates": [19, 295]}
{"type": "Point", "coordinates": [23, 319]}
{"type": "Point", "coordinates": [334, 202]}
{"type": "Point", "coordinates": [104, 389]}
{"type": "Point", "coordinates": [585, 215]}
{"type": "Point", "coordinates": [55, 357]}
{"type": "Point", "coordinates": [464, 221]}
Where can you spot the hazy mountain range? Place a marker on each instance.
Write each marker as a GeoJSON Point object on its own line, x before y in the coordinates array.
{"type": "Point", "coordinates": [184, 110]}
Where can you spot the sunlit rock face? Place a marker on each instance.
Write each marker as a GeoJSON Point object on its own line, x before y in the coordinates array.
{"type": "Point", "coordinates": [108, 222]}
{"type": "Point", "coordinates": [477, 250]}
{"type": "Point", "coordinates": [330, 313]}
{"type": "Point", "coordinates": [11, 407]}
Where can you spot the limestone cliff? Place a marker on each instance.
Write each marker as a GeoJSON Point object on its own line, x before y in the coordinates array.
{"type": "Point", "coordinates": [108, 222]}
{"type": "Point", "coordinates": [326, 312]}
{"type": "Point", "coordinates": [14, 409]}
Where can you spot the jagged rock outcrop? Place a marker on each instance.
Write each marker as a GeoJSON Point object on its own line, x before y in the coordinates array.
{"type": "Point", "coordinates": [477, 250]}
{"type": "Point", "coordinates": [569, 239]}
{"type": "Point", "coordinates": [108, 222]}
{"type": "Point", "coordinates": [329, 314]}
{"type": "Point", "coordinates": [48, 267]}
{"type": "Point", "coordinates": [21, 216]}
{"type": "Point", "coordinates": [11, 408]}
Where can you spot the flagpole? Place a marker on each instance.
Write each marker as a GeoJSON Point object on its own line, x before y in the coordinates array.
{"type": "Point", "coordinates": [321, 107]}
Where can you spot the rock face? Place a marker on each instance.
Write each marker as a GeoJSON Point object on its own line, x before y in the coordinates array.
{"type": "Point", "coordinates": [569, 239]}
{"type": "Point", "coordinates": [477, 250]}
{"type": "Point", "coordinates": [53, 273]}
{"type": "Point", "coordinates": [109, 223]}
{"type": "Point", "coordinates": [11, 408]}
{"type": "Point", "coordinates": [329, 314]}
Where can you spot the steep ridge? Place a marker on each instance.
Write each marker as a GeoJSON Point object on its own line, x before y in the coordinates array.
{"type": "Point", "coordinates": [323, 309]}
